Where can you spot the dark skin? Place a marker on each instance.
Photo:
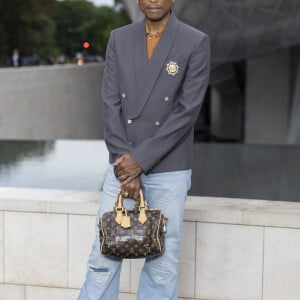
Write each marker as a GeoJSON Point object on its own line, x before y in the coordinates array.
{"type": "Point", "coordinates": [127, 170]}
{"type": "Point", "coordinates": [157, 13]}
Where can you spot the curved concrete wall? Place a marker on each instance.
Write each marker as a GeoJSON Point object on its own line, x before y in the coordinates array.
{"type": "Point", "coordinates": [51, 102]}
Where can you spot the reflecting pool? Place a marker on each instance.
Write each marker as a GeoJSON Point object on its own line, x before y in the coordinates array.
{"type": "Point", "coordinates": [223, 170]}
{"type": "Point", "coordinates": [61, 164]}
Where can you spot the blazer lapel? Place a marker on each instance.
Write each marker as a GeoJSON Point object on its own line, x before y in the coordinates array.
{"type": "Point", "coordinates": [140, 51]}
{"type": "Point", "coordinates": [147, 71]}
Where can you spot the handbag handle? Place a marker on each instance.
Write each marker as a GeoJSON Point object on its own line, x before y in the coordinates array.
{"type": "Point", "coordinates": [140, 205]}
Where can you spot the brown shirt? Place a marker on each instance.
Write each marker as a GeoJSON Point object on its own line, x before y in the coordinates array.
{"type": "Point", "coordinates": [152, 40]}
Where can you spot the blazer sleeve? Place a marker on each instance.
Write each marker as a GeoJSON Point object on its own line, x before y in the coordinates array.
{"type": "Point", "coordinates": [114, 130]}
{"type": "Point", "coordinates": [181, 120]}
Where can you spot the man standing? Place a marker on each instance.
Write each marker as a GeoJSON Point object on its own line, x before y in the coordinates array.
{"type": "Point", "coordinates": [156, 76]}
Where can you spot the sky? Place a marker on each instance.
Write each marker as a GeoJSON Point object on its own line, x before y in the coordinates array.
{"type": "Point", "coordinates": [102, 2]}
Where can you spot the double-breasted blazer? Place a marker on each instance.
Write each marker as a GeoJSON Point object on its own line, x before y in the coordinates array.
{"type": "Point", "coordinates": [150, 106]}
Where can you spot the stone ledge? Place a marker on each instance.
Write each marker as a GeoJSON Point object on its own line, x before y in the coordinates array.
{"type": "Point", "coordinates": [48, 67]}
{"type": "Point", "coordinates": [197, 209]}
{"type": "Point", "coordinates": [49, 201]}
{"type": "Point", "coordinates": [243, 212]}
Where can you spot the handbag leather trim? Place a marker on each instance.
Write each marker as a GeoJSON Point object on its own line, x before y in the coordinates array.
{"type": "Point", "coordinates": [157, 233]}
{"type": "Point", "coordinates": [104, 237]}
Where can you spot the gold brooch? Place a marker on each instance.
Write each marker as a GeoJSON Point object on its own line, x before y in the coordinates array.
{"type": "Point", "coordinates": [172, 68]}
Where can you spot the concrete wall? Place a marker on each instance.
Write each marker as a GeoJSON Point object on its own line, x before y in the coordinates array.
{"type": "Point", "coordinates": [232, 249]}
{"type": "Point", "coordinates": [268, 98]}
{"type": "Point", "coordinates": [63, 102]}
{"type": "Point", "coordinates": [51, 102]}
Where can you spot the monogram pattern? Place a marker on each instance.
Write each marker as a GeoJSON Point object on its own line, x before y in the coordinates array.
{"type": "Point", "coordinates": [138, 241]}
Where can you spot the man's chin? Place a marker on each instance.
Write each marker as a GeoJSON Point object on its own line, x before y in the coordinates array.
{"type": "Point", "coordinates": [153, 18]}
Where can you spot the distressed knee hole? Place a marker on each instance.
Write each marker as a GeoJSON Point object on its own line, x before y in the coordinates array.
{"type": "Point", "coordinates": [99, 270]}
{"type": "Point", "coordinates": [99, 275]}
{"type": "Point", "coordinates": [162, 275]}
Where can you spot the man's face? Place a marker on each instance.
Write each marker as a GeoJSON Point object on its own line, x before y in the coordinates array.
{"type": "Point", "coordinates": [155, 10]}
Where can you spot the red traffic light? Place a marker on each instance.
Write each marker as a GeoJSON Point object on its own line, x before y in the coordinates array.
{"type": "Point", "coordinates": [86, 45]}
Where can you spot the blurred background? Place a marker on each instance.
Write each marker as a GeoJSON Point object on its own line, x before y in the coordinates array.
{"type": "Point", "coordinates": [247, 134]}
{"type": "Point", "coordinates": [53, 31]}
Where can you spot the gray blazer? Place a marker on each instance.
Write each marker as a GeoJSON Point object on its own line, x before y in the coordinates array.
{"type": "Point", "coordinates": [150, 106]}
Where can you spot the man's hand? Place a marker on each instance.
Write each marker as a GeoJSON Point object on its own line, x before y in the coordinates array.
{"type": "Point", "coordinates": [127, 169]}
{"type": "Point", "coordinates": [132, 190]}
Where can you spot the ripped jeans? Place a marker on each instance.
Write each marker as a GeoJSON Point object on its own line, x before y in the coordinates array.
{"type": "Point", "coordinates": [159, 277]}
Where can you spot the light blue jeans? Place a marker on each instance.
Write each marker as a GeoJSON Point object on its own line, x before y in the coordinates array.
{"type": "Point", "coordinates": [159, 277]}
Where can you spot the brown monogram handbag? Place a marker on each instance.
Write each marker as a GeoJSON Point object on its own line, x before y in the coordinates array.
{"type": "Point", "coordinates": [133, 233]}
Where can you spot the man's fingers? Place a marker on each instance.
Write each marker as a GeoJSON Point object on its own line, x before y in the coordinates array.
{"type": "Point", "coordinates": [129, 193]}
{"type": "Point", "coordinates": [119, 171]}
{"type": "Point", "coordinates": [117, 161]}
{"type": "Point", "coordinates": [136, 194]}
{"type": "Point", "coordinates": [126, 165]}
{"type": "Point", "coordinates": [127, 180]}
{"type": "Point", "coordinates": [122, 178]}
{"type": "Point", "coordinates": [131, 189]}
{"type": "Point", "coordinates": [124, 191]}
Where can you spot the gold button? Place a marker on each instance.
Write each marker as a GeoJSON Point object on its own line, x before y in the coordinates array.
{"type": "Point", "coordinates": [129, 121]}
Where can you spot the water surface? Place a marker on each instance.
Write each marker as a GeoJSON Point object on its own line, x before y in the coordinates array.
{"type": "Point", "coordinates": [224, 170]}
{"type": "Point", "coordinates": [61, 164]}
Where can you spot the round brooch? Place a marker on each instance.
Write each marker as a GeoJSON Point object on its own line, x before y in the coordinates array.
{"type": "Point", "coordinates": [172, 68]}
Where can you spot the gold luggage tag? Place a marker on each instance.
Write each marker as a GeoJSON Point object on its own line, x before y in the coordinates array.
{"type": "Point", "coordinates": [126, 221]}
{"type": "Point", "coordinates": [119, 216]}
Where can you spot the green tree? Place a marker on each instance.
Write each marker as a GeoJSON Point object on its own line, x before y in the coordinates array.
{"type": "Point", "coordinates": [3, 41]}
{"type": "Point", "coordinates": [97, 30]}
{"type": "Point", "coordinates": [49, 27]}
{"type": "Point", "coordinates": [27, 25]}
{"type": "Point", "coordinates": [39, 37]}
{"type": "Point", "coordinates": [71, 18]}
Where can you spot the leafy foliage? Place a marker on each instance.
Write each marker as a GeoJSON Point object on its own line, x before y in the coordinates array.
{"type": "Point", "coordinates": [46, 28]}
{"type": "Point", "coordinates": [70, 20]}
{"type": "Point", "coordinates": [98, 29]}
{"type": "Point", "coordinates": [27, 25]}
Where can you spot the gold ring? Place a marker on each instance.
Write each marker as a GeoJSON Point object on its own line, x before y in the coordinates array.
{"type": "Point", "coordinates": [126, 194]}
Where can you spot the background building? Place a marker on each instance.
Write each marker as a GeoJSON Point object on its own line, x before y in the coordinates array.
{"type": "Point", "coordinates": [254, 94]}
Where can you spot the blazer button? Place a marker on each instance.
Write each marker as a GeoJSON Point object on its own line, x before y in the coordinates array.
{"type": "Point", "coordinates": [167, 99]}
{"type": "Point", "coordinates": [129, 121]}
{"type": "Point", "coordinates": [124, 95]}
{"type": "Point", "coordinates": [157, 123]}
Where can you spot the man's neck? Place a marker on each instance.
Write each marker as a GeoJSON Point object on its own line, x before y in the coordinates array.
{"type": "Point", "coordinates": [157, 26]}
